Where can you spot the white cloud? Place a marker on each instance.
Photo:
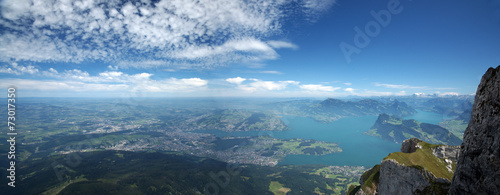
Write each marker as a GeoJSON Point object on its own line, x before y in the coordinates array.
{"type": "Point", "coordinates": [78, 80]}
{"type": "Point", "coordinates": [318, 88]}
{"type": "Point", "coordinates": [313, 8]}
{"type": "Point", "coordinates": [195, 82]}
{"type": "Point", "coordinates": [350, 90]}
{"type": "Point", "coordinates": [51, 85]}
{"type": "Point", "coordinates": [172, 85]}
{"type": "Point", "coordinates": [8, 70]}
{"type": "Point", "coordinates": [237, 80]}
{"type": "Point", "coordinates": [50, 73]}
{"type": "Point", "coordinates": [375, 93]}
{"type": "Point", "coordinates": [256, 85]}
{"type": "Point", "coordinates": [366, 92]}
{"type": "Point", "coordinates": [348, 84]}
{"type": "Point", "coordinates": [146, 63]}
{"type": "Point", "coordinates": [166, 33]}
{"type": "Point", "coordinates": [282, 44]}
{"type": "Point", "coordinates": [449, 94]}
{"type": "Point", "coordinates": [18, 69]}
{"type": "Point", "coordinates": [271, 72]}
{"type": "Point", "coordinates": [392, 86]}
{"type": "Point", "coordinates": [113, 67]}
{"type": "Point", "coordinates": [401, 93]}
{"type": "Point", "coordinates": [229, 51]}
{"type": "Point", "coordinates": [110, 75]}
{"type": "Point", "coordinates": [270, 85]}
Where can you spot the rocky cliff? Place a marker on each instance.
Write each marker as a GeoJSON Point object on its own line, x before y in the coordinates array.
{"type": "Point", "coordinates": [396, 178]}
{"type": "Point", "coordinates": [423, 168]}
{"type": "Point", "coordinates": [478, 167]}
{"type": "Point", "coordinates": [420, 168]}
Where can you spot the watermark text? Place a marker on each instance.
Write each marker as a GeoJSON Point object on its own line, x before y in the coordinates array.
{"type": "Point", "coordinates": [11, 123]}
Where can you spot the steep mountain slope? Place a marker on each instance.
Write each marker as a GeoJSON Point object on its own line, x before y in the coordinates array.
{"type": "Point", "coordinates": [478, 167]}
{"type": "Point", "coordinates": [396, 130]}
{"type": "Point", "coordinates": [420, 168]}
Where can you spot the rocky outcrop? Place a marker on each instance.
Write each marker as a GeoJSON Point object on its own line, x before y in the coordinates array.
{"type": "Point", "coordinates": [478, 167]}
{"type": "Point", "coordinates": [410, 145]}
{"type": "Point", "coordinates": [399, 179]}
{"type": "Point", "coordinates": [369, 181]}
{"type": "Point", "coordinates": [447, 152]}
{"type": "Point", "coordinates": [420, 168]}
{"type": "Point", "coordinates": [362, 192]}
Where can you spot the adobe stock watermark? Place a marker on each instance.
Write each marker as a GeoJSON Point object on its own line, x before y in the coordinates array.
{"type": "Point", "coordinates": [11, 134]}
{"type": "Point", "coordinates": [372, 29]}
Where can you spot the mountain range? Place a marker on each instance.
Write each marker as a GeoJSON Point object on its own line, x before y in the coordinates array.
{"type": "Point", "coordinates": [397, 130]}
{"type": "Point", "coordinates": [331, 109]}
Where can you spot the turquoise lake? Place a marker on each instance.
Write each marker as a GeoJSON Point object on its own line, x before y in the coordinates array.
{"type": "Point", "coordinates": [358, 149]}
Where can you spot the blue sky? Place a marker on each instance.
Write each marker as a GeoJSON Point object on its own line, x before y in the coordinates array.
{"type": "Point", "coordinates": [281, 48]}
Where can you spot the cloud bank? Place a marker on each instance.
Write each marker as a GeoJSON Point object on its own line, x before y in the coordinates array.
{"type": "Point", "coordinates": [186, 33]}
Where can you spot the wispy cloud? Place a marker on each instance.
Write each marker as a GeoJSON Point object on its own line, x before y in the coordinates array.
{"type": "Point", "coordinates": [145, 34]}
{"type": "Point", "coordinates": [366, 92]}
{"type": "Point", "coordinates": [257, 85]}
{"type": "Point", "coordinates": [393, 86]}
{"type": "Point", "coordinates": [282, 44]}
{"type": "Point", "coordinates": [448, 94]}
{"type": "Point", "coordinates": [318, 88]}
{"type": "Point", "coordinates": [401, 93]}
{"type": "Point", "coordinates": [313, 8]}
{"type": "Point", "coordinates": [404, 88]}
{"type": "Point", "coordinates": [236, 80]}
{"type": "Point", "coordinates": [53, 85]}
{"type": "Point", "coordinates": [79, 80]}
{"type": "Point", "coordinates": [350, 90]}
{"type": "Point", "coordinates": [14, 68]}
{"type": "Point", "coordinates": [271, 72]}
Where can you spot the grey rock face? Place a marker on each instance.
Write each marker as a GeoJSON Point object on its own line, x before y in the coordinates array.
{"type": "Point", "coordinates": [478, 167]}
{"type": "Point", "coordinates": [410, 145]}
{"type": "Point", "coordinates": [400, 179]}
{"type": "Point", "coordinates": [361, 192]}
{"type": "Point", "coordinates": [447, 152]}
